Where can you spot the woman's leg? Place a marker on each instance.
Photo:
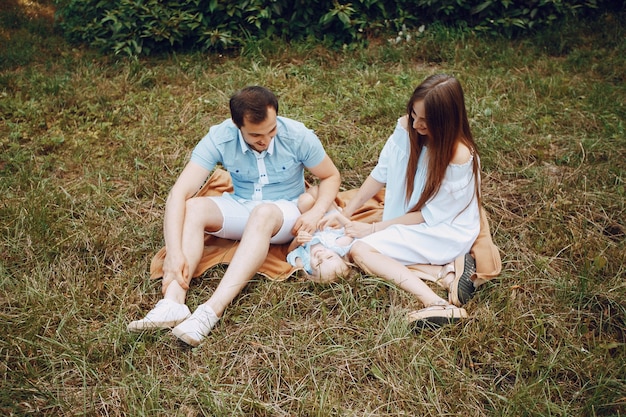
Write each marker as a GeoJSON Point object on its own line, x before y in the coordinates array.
{"type": "Point", "coordinates": [437, 311]}
{"type": "Point", "coordinates": [375, 263]}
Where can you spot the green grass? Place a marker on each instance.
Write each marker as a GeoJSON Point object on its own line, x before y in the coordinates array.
{"type": "Point", "coordinates": [90, 145]}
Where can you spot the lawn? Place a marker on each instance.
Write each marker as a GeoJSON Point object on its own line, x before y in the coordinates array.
{"type": "Point", "coordinates": [90, 145]}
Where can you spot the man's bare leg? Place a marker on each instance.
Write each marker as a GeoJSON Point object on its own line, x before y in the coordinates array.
{"type": "Point", "coordinates": [265, 220]}
{"type": "Point", "coordinates": [200, 214]}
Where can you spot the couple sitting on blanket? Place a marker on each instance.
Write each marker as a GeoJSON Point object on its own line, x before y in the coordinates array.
{"type": "Point", "coordinates": [429, 169]}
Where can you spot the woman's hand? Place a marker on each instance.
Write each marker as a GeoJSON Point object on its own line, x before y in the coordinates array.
{"type": "Point", "coordinates": [358, 229]}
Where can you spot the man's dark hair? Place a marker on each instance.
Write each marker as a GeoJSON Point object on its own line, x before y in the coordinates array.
{"type": "Point", "coordinates": [251, 103]}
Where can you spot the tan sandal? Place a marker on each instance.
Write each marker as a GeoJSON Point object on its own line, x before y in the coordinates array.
{"type": "Point", "coordinates": [462, 288]}
{"type": "Point", "coordinates": [437, 315]}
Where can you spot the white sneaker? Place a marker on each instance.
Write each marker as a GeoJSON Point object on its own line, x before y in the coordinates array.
{"type": "Point", "coordinates": [193, 330]}
{"type": "Point", "coordinates": [166, 314]}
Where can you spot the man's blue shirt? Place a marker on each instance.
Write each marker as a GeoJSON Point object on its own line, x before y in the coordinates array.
{"type": "Point", "coordinates": [275, 174]}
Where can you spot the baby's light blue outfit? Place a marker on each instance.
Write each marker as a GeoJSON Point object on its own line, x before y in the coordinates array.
{"type": "Point", "coordinates": [327, 237]}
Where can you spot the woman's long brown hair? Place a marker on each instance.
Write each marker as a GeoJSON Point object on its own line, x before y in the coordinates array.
{"type": "Point", "coordinates": [446, 119]}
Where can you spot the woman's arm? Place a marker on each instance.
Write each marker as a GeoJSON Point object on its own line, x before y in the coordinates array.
{"type": "Point", "coordinates": [409, 218]}
{"type": "Point", "coordinates": [368, 189]}
{"type": "Point", "coordinates": [362, 229]}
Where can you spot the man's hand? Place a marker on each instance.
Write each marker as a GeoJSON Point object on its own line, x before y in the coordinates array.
{"type": "Point", "coordinates": [307, 222]}
{"type": "Point", "coordinates": [175, 268]}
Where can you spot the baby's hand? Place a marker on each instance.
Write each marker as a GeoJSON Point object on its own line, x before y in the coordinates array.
{"type": "Point", "coordinates": [333, 219]}
{"type": "Point", "coordinates": [303, 237]}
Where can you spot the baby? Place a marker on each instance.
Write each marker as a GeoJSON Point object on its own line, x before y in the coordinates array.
{"type": "Point", "coordinates": [323, 254]}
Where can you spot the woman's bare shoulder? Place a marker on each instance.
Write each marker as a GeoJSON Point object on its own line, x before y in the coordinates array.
{"type": "Point", "coordinates": [404, 122]}
{"type": "Point", "coordinates": [462, 154]}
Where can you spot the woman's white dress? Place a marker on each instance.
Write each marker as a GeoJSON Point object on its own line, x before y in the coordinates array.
{"type": "Point", "coordinates": [452, 218]}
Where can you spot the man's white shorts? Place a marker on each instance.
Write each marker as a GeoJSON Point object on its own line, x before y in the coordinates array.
{"type": "Point", "coordinates": [237, 212]}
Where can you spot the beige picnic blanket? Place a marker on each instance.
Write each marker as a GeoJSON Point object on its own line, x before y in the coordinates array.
{"type": "Point", "coordinates": [220, 251]}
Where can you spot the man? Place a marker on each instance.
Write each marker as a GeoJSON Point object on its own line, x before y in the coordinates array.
{"type": "Point", "coordinates": [266, 155]}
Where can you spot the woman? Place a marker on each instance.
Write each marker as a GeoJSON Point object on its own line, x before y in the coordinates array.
{"type": "Point", "coordinates": [431, 172]}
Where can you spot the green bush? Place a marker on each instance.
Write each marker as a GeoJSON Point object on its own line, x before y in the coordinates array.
{"type": "Point", "coordinates": [135, 27]}
{"type": "Point", "coordinates": [505, 16]}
